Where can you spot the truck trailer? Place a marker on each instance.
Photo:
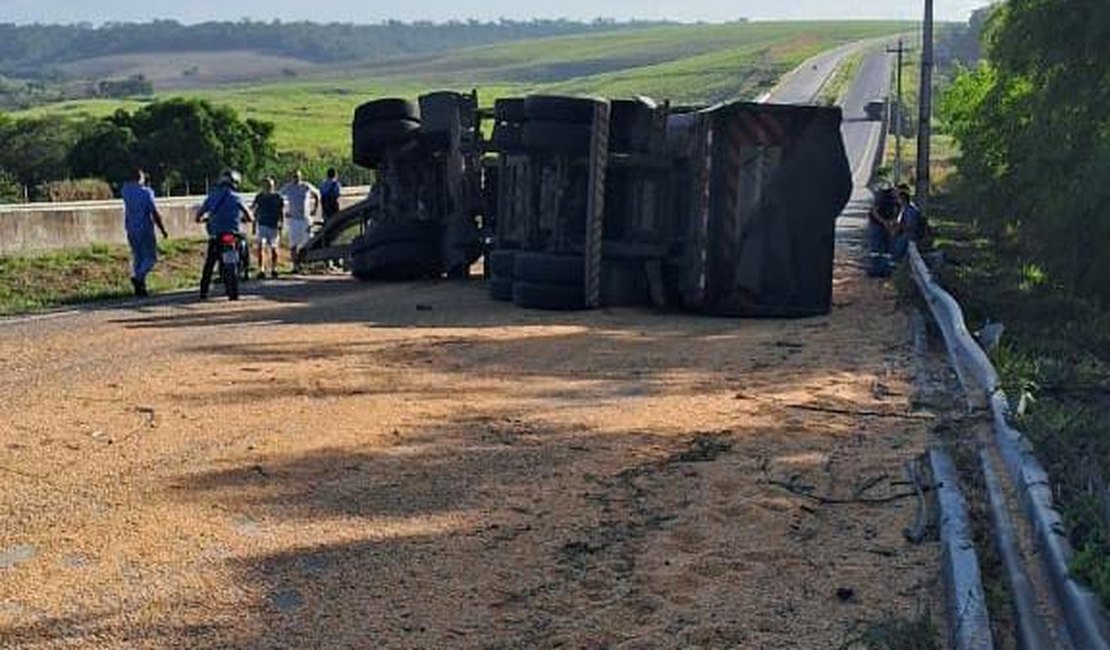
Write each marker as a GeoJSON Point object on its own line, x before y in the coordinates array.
{"type": "Point", "coordinates": [581, 202]}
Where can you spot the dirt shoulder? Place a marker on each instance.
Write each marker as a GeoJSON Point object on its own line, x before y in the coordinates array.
{"type": "Point", "coordinates": [336, 465]}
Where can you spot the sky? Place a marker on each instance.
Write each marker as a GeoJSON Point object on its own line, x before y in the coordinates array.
{"type": "Point", "coordinates": [364, 11]}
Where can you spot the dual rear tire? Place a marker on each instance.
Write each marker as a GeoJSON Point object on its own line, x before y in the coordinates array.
{"type": "Point", "coordinates": [557, 282]}
{"type": "Point", "coordinates": [401, 250]}
{"type": "Point", "coordinates": [381, 126]}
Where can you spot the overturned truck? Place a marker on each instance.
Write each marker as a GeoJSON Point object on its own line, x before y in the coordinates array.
{"type": "Point", "coordinates": [580, 202]}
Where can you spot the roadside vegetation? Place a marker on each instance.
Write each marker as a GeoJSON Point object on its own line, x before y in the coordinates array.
{"type": "Point", "coordinates": [182, 144]}
{"type": "Point", "coordinates": [1020, 167]}
{"type": "Point", "coordinates": [34, 282]}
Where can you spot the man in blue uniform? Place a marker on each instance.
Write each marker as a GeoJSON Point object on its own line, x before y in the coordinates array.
{"type": "Point", "coordinates": [224, 209]}
{"type": "Point", "coordinates": [140, 216]}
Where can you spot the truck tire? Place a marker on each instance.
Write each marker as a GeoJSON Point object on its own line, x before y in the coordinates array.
{"type": "Point", "coordinates": [535, 295]}
{"type": "Point", "coordinates": [392, 132]}
{"type": "Point", "coordinates": [386, 110]}
{"type": "Point", "coordinates": [509, 109]}
{"type": "Point", "coordinates": [545, 268]}
{"type": "Point", "coordinates": [396, 261]}
{"type": "Point", "coordinates": [558, 108]}
{"type": "Point", "coordinates": [501, 263]}
{"type": "Point", "coordinates": [624, 283]}
{"type": "Point", "coordinates": [407, 230]}
{"type": "Point", "coordinates": [630, 123]}
{"type": "Point", "coordinates": [229, 274]}
{"type": "Point", "coordinates": [371, 140]}
{"type": "Point", "coordinates": [508, 137]}
{"type": "Point", "coordinates": [500, 288]}
{"type": "Point", "coordinates": [556, 137]}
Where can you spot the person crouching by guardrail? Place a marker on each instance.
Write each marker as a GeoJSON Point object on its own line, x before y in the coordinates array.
{"type": "Point", "coordinates": [269, 210]}
{"type": "Point", "coordinates": [140, 216]}
{"type": "Point", "coordinates": [911, 225]}
{"type": "Point", "coordinates": [881, 223]}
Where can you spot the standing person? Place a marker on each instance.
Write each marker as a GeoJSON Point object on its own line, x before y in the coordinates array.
{"type": "Point", "coordinates": [880, 227]}
{"type": "Point", "coordinates": [140, 216]}
{"type": "Point", "coordinates": [297, 193]}
{"type": "Point", "coordinates": [269, 210]}
{"type": "Point", "coordinates": [224, 209]}
{"type": "Point", "coordinates": [330, 190]}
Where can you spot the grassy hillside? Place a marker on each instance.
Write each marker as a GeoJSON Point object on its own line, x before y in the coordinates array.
{"type": "Point", "coordinates": [170, 71]}
{"type": "Point", "coordinates": [684, 63]}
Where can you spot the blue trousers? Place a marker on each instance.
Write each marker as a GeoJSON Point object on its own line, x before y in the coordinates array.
{"type": "Point", "coordinates": [879, 246]}
{"type": "Point", "coordinates": [144, 252]}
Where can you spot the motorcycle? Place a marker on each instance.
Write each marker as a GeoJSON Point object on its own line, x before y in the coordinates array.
{"type": "Point", "coordinates": [231, 259]}
{"type": "Point", "coordinates": [244, 256]}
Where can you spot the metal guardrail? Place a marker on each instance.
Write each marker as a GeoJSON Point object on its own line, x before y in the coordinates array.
{"type": "Point", "coordinates": [966, 355]}
{"type": "Point", "coordinates": [1085, 619]}
{"type": "Point", "coordinates": [967, 604]}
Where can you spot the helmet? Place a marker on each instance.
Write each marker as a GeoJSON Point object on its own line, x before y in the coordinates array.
{"type": "Point", "coordinates": [231, 178]}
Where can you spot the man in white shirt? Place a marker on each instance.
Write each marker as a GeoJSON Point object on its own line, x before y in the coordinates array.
{"type": "Point", "coordinates": [298, 193]}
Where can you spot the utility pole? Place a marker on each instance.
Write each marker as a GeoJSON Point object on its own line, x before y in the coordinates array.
{"type": "Point", "coordinates": [897, 125]}
{"type": "Point", "coordinates": [924, 127]}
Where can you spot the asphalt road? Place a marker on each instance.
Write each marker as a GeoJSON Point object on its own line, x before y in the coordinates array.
{"type": "Point", "coordinates": [861, 139]}
{"type": "Point", "coordinates": [802, 84]}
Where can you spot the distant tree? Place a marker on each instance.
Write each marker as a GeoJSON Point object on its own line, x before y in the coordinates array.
{"type": "Point", "coordinates": [36, 150]}
{"type": "Point", "coordinates": [10, 189]}
{"type": "Point", "coordinates": [104, 150]}
{"type": "Point", "coordinates": [188, 141]}
{"type": "Point", "coordinates": [183, 143]}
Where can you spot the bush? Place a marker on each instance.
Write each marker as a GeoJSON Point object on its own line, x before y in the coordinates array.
{"type": "Point", "coordinates": [10, 190]}
{"type": "Point", "coordinates": [83, 189]}
{"type": "Point", "coordinates": [1042, 84]}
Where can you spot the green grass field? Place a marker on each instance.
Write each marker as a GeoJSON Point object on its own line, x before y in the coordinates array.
{"type": "Point", "coordinates": [683, 63]}
{"type": "Point", "coordinates": [34, 282]}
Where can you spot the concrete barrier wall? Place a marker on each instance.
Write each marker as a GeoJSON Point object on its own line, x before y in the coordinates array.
{"type": "Point", "coordinates": [38, 227]}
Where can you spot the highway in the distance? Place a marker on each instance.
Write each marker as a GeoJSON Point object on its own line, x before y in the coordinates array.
{"type": "Point", "coordinates": [802, 85]}
{"type": "Point", "coordinates": [862, 137]}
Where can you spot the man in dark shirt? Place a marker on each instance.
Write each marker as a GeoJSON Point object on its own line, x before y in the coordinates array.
{"type": "Point", "coordinates": [880, 228]}
{"type": "Point", "coordinates": [911, 225]}
{"type": "Point", "coordinates": [330, 190]}
{"type": "Point", "coordinates": [269, 210]}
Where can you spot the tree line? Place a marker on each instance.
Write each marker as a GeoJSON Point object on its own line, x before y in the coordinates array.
{"type": "Point", "coordinates": [182, 144]}
{"type": "Point", "coordinates": [1034, 134]}
{"type": "Point", "coordinates": [35, 51]}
